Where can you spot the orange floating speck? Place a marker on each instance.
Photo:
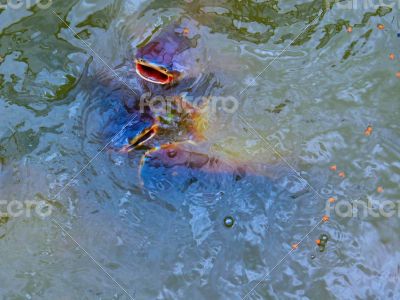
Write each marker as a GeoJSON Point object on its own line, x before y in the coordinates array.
{"type": "Point", "coordinates": [349, 29]}
{"type": "Point", "coordinates": [392, 56]}
{"type": "Point", "coordinates": [325, 218]}
{"type": "Point", "coordinates": [342, 174]}
{"type": "Point", "coordinates": [331, 199]}
{"type": "Point", "coordinates": [398, 74]}
{"type": "Point", "coordinates": [185, 31]}
{"type": "Point", "coordinates": [318, 242]}
{"type": "Point", "coordinates": [295, 246]}
{"type": "Point", "coordinates": [368, 130]}
{"type": "Point", "coordinates": [379, 189]}
{"type": "Point", "coordinates": [381, 26]}
{"type": "Point", "coordinates": [333, 168]}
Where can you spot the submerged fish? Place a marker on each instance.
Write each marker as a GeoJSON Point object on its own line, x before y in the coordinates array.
{"type": "Point", "coordinates": [176, 138]}
{"type": "Point", "coordinates": [167, 59]}
{"type": "Point", "coordinates": [191, 159]}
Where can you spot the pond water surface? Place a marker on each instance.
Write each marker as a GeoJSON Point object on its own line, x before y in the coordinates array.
{"type": "Point", "coordinates": [307, 88]}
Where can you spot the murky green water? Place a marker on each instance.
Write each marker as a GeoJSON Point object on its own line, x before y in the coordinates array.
{"type": "Point", "coordinates": [311, 105]}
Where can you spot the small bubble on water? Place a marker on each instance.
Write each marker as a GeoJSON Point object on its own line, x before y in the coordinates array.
{"type": "Point", "coordinates": [229, 221]}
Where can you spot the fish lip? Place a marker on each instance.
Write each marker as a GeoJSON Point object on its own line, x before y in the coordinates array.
{"type": "Point", "coordinates": [153, 72]}
{"type": "Point", "coordinates": [146, 135]}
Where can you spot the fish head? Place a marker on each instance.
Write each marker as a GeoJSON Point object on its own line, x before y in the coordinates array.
{"type": "Point", "coordinates": [128, 133]}
{"type": "Point", "coordinates": [164, 59]}
{"type": "Point", "coordinates": [167, 155]}
{"type": "Point", "coordinates": [175, 155]}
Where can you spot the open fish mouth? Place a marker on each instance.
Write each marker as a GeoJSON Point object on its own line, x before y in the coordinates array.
{"type": "Point", "coordinates": [146, 135]}
{"type": "Point", "coordinates": [153, 73]}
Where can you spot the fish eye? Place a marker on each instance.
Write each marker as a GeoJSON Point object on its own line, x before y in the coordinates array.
{"type": "Point", "coordinates": [171, 153]}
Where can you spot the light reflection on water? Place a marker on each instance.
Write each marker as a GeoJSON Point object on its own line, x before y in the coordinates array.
{"type": "Point", "coordinates": [312, 104]}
